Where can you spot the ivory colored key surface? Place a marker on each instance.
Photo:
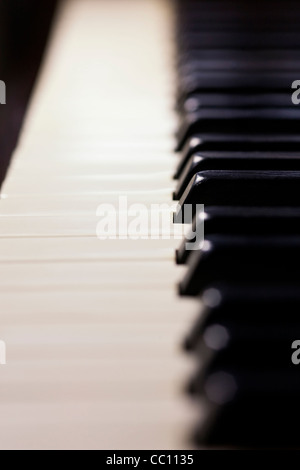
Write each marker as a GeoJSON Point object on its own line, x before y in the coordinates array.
{"type": "Point", "coordinates": [48, 275]}
{"type": "Point", "coordinates": [45, 184]}
{"type": "Point", "coordinates": [87, 203]}
{"type": "Point", "coordinates": [37, 249]}
{"type": "Point", "coordinates": [89, 225]}
{"type": "Point", "coordinates": [93, 327]}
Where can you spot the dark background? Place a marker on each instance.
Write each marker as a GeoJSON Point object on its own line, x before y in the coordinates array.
{"type": "Point", "coordinates": [24, 28]}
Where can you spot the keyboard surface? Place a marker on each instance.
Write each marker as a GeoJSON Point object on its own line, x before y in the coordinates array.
{"type": "Point", "coordinates": [110, 343]}
{"type": "Point", "coordinates": [93, 327]}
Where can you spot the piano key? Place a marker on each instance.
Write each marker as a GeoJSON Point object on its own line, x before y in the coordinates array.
{"type": "Point", "coordinates": [237, 142]}
{"type": "Point", "coordinates": [240, 120]}
{"type": "Point", "coordinates": [72, 305]}
{"type": "Point", "coordinates": [227, 344]}
{"type": "Point", "coordinates": [75, 225]}
{"type": "Point", "coordinates": [241, 259]}
{"type": "Point", "coordinates": [71, 164]}
{"type": "Point", "coordinates": [203, 20]}
{"type": "Point", "coordinates": [247, 188]}
{"type": "Point", "coordinates": [252, 64]}
{"type": "Point", "coordinates": [221, 100]}
{"type": "Point", "coordinates": [245, 24]}
{"type": "Point", "coordinates": [236, 400]}
{"type": "Point", "coordinates": [234, 81]}
{"type": "Point", "coordinates": [244, 304]}
{"type": "Point", "coordinates": [235, 220]}
{"type": "Point", "coordinates": [237, 56]}
{"type": "Point", "coordinates": [92, 183]}
{"type": "Point", "coordinates": [89, 430]}
{"type": "Point", "coordinates": [79, 203]}
{"type": "Point", "coordinates": [153, 381]}
{"type": "Point", "coordinates": [233, 10]}
{"type": "Point", "coordinates": [239, 40]}
{"type": "Point", "coordinates": [47, 249]}
{"type": "Point", "coordinates": [201, 161]}
{"type": "Point", "coordinates": [88, 275]}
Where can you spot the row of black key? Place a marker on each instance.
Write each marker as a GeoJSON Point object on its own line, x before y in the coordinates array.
{"type": "Point", "coordinates": [239, 155]}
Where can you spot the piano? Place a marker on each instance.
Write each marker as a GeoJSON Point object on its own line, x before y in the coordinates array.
{"type": "Point", "coordinates": [118, 334]}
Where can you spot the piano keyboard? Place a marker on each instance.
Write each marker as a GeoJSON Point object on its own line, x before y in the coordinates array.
{"type": "Point", "coordinates": [94, 326]}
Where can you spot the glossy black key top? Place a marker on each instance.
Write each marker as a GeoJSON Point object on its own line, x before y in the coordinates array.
{"type": "Point", "coordinates": [236, 220]}
{"type": "Point", "coordinates": [250, 408]}
{"type": "Point", "coordinates": [235, 81]}
{"type": "Point", "coordinates": [235, 161]}
{"type": "Point", "coordinates": [237, 142]}
{"type": "Point", "coordinates": [237, 57]}
{"type": "Point", "coordinates": [230, 344]}
{"type": "Point", "coordinates": [243, 188]}
{"type": "Point", "coordinates": [263, 13]}
{"type": "Point", "coordinates": [252, 64]}
{"type": "Point", "coordinates": [265, 120]}
{"type": "Point", "coordinates": [233, 100]}
{"type": "Point", "coordinates": [239, 40]}
{"type": "Point", "coordinates": [213, 25]}
{"type": "Point", "coordinates": [244, 304]}
{"type": "Point", "coordinates": [242, 259]}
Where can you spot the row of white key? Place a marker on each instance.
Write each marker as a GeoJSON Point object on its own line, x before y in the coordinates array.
{"type": "Point", "coordinates": [93, 327]}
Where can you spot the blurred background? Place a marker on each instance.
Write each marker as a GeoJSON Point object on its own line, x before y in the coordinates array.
{"type": "Point", "coordinates": [24, 27]}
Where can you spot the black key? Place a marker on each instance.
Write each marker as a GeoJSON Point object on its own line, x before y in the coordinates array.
{"type": "Point", "coordinates": [239, 40]}
{"type": "Point", "coordinates": [237, 57]}
{"type": "Point", "coordinates": [226, 100]}
{"type": "Point", "coordinates": [264, 120]}
{"type": "Point", "coordinates": [243, 188]}
{"type": "Point", "coordinates": [235, 81]}
{"type": "Point", "coordinates": [249, 304]}
{"type": "Point", "coordinates": [250, 408]}
{"type": "Point", "coordinates": [235, 220]}
{"type": "Point", "coordinates": [235, 161]}
{"type": "Point", "coordinates": [230, 344]}
{"type": "Point", "coordinates": [242, 259]}
{"type": "Point", "coordinates": [237, 142]}
{"type": "Point", "coordinates": [263, 13]}
{"type": "Point", "coordinates": [250, 64]}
